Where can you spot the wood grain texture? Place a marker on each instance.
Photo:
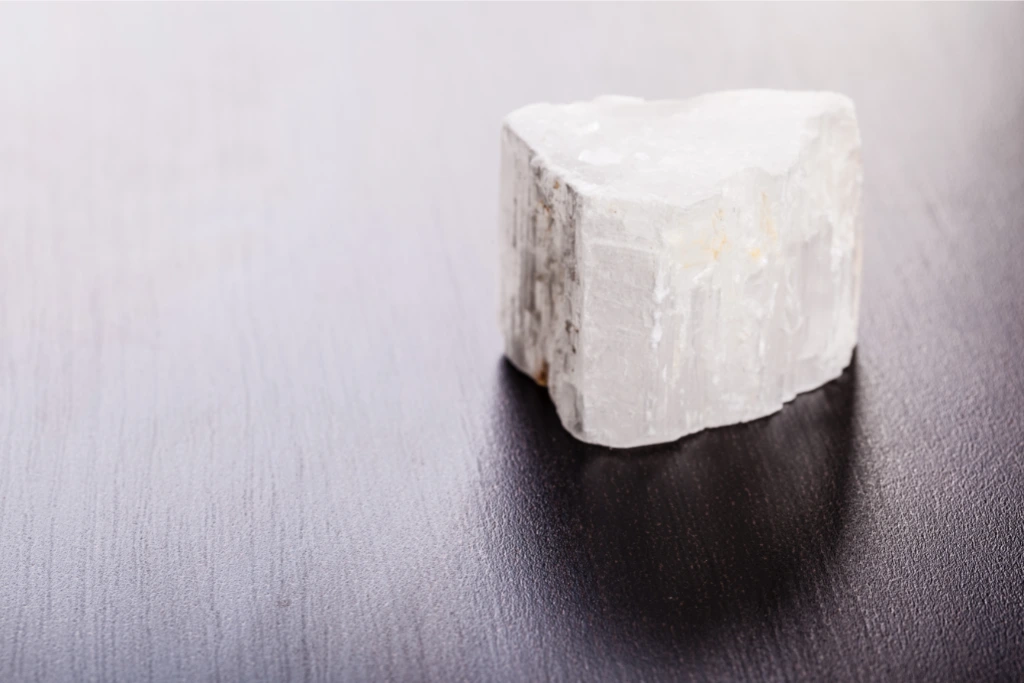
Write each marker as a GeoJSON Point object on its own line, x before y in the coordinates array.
{"type": "Point", "coordinates": [255, 426]}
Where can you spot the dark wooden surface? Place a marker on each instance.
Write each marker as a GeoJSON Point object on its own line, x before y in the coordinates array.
{"type": "Point", "coordinates": [254, 421]}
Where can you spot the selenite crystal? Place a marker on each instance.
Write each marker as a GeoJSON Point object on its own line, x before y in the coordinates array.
{"type": "Point", "coordinates": [669, 266]}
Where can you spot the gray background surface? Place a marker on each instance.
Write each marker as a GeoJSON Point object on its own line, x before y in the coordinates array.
{"type": "Point", "coordinates": [254, 422]}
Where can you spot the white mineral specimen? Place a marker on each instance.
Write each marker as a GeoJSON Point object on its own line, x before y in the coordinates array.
{"type": "Point", "coordinates": [669, 266]}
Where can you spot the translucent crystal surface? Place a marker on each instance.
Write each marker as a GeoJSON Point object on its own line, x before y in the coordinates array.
{"type": "Point", "coordinates": [669, 266]}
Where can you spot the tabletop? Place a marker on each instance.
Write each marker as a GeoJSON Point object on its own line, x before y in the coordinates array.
{"type": "Point", "coordinates": [255, 424]}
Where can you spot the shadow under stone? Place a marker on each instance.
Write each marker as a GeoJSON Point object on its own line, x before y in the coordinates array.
{"type": "Point", "coordinates": [668, 545]}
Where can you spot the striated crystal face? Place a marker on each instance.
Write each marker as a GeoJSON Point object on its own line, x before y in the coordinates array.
{"type": "Point", "coordinates": [675, 265]}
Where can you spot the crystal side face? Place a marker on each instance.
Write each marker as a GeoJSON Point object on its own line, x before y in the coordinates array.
{"type": "Point", "coordinates": [670, 266]}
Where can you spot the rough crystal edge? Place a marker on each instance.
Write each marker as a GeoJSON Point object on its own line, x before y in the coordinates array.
{"type": "Point", "coordinates": [579, 435]}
